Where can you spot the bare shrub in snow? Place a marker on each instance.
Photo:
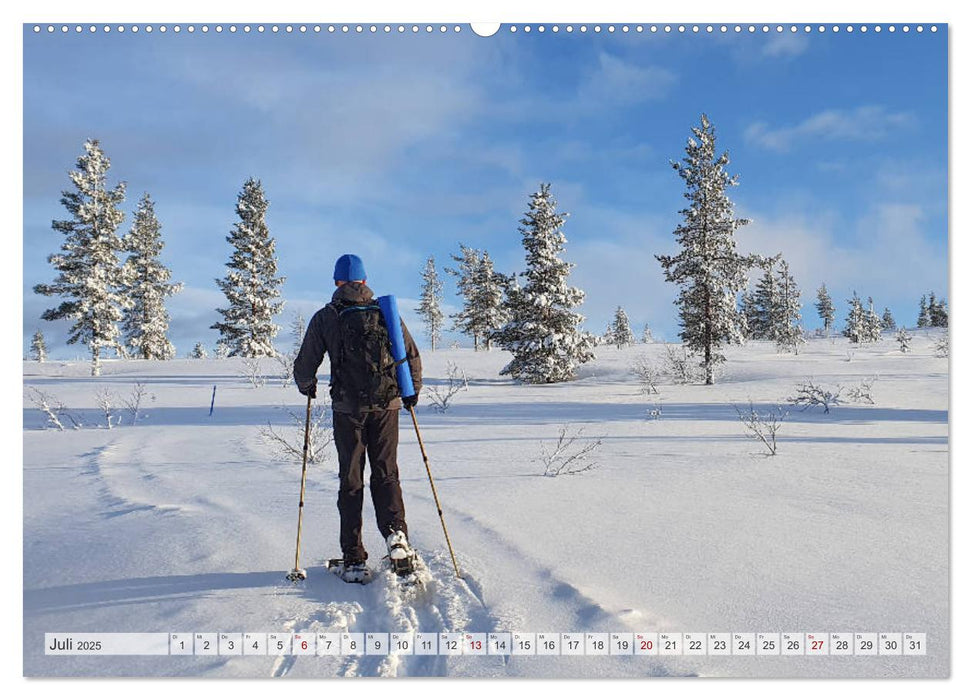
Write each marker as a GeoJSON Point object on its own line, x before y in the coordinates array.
{"type": "Point", "coordinates": [942, 348]}
{"type": "Point", "coordinates": [647, 374]}
{"type": "Point", "coordinates": [862, 392]}
{"type": "Point", "coordinates": [680, 365]}
{"type": "Point", "coordinates": [289, 445]}
{"type": "Point", "coordinates": [441, 397]}
{"type": "Point", "coordinates": [809, 394]}
{"type": "Point", "coordinates": [52, 408]}
{"type": "Point", "coordinates": [133, 401]}
{"type": "Point", "coordinates": [762, 426]}
{"type": "Point", "coordinates": [570, 454]}
{"type": "Point", "coordinates": [105, 402]}
{"type": "Point", "coordinates": [253, 371]}
{"type": "Point", "coordinates": [285, 361]}
{"type": "Point", "coordinates": [903, 339]}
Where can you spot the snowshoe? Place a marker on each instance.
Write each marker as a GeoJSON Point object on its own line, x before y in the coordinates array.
{"type": "Point", "coordinates": [402, 557]}
{"type": "Point", "coordinates": [297, 575]}
{"type": "Point", "coordinates": [350, 572]}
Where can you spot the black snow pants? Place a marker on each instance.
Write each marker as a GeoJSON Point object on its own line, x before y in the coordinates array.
{"type": "Point", "coordinates": [374, 434]}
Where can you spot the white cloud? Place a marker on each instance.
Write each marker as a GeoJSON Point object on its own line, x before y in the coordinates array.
{"type": "Point", "coordinates": [867, 123]}
{"type": "Point", "coordinates": [616, 81]}
{"type": "Point", "coordinates": [785, 45]}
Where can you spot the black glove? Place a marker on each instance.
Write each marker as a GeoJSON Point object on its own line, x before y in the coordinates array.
{"type": "Point", "coordinates": [409, 402]}
{"type": "Point", "coordinates": [310, 391]}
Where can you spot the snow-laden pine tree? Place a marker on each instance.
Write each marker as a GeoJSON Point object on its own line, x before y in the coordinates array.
{"type": "Point", "coordinates": [481, 288]}
{"type": "Point", "coordinates": [198, 352]}
{"type": "Point", "coordinates": [936, 312]}
{"type": "Point", "coordinates": [490, 311]}
{"type": "Point", "coordinates": [38, 348]}
{"type": "Point", "coordinates": [768, 312]}
{"type": "Point", "coordinates": [222, 349]}
{"type": "Point", "coordinates": [888, 323]}
{"type": "Point", "coordinates": [646, 335]}
{"type": "Point", "coordinates": [751, 318]}
{"type": "Point", "coordinates": [825, 308]}
{"type": "Point", "coordinates": [708, 270]}
{"type": "Point", "coordinates": [871, 323]}
{"type": "Point", "coordinates": [788, 334]}
{"type": "Point", "coordinates": [923, 316]}
{"type": "Point", "coordinates": [88, 270]}
{"type": "Point", "coordinates": [623, 336]}
{"type": "Point", "coordinates": [145, 322]}
{"type": "Point", "coordinates": [855, 328]}
{"type": "Point", "coordinates": [430, 305]}
{"type": "Point", "coordinates": [465, 273]}
{"type": "Point", "coordinates": [608, 335]}
{"type": "Point", "coordinates": [251, 284]}
{"type": "Point", "coordinates": [543, 333]}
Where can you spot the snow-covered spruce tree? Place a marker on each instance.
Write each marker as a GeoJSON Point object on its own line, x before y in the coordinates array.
{"type": "Point", "coordinates": [887, 323]}
{"type": "Point", "coordinates": [623, 336]}
{"type": "Point", "coordinates": [430, 307]}
{"type": "Point", "coordinates": [855, 328]}
{"type": "Point", "coordinates": [708, 270]}
{"type": "Point", "coordinates": [465, 273]}
{"type": "Point", "coordinates": [608, 335]}
{"type": "Point", "coordinates": [89, 272]}
{"type": "Point", "coordinates": [871, 322]}
{"type": "Point", "coordinates": [923, 316]}
{"type": "Point", "coordinates": [751, 317]}
{"type": "Point", "coordinates": [198, 352]}
{"type": "Point", "coordinates": [251, 284]}
{"type": "Point", "coordinates": [646, 335]}
{"type": "Point", "coordinates": [38, 348]}
{"type": "Point", "coordinates": [490, 311]}
{"type": "Point", "coordinates": [825, 308]}
{"type": "Point", "coordinates": [903, 339]}
{"type": "Point", "coordinates": [145, 322]}
{"type": "Point", "coordinates": [936, 312]}
{"type": "Point", "coordinates": [768, 311]}
{"type": "Point", "coordinates": [788, 334]}
{"type": "Point", "coordinates": [543, 333]}
{"type": "Point", "coordinates": [222, 349]}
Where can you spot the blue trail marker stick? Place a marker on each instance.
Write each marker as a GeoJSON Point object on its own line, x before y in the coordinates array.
{"type": "Point", "coordinates": [212, 404]}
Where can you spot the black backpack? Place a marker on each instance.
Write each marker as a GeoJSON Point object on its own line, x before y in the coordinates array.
{"type": "Point", "coordinates": [366, 371]}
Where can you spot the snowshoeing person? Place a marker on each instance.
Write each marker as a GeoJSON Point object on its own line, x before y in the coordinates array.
{"type": "Point", "coordinates": [366, 401]}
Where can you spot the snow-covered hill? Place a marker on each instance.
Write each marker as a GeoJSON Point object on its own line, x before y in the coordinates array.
{"type": "Point", "coordinates": [185, 522]}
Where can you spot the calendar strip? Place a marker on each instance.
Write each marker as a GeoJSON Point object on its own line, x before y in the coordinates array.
{"type": "Point", "coordinates": [488, 644]}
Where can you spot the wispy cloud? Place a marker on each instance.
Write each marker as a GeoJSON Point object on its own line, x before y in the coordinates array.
{"type": "Point", "coordinates": [866, 123]}
{"type": "Point", "coordinates": [785, 45]}
{"type": "Point", "coordinates": [618, 81]}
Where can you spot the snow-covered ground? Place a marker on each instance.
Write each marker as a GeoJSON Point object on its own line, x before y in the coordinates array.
{"type": "Point", "coordinates": [186, 522]}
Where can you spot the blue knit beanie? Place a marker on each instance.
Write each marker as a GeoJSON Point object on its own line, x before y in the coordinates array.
{"type": "Point", "coordinates": [349, 268]}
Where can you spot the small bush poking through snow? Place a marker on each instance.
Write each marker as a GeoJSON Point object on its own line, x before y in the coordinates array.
{"type": "Point", "coordinates": [52, 408]}
{"type": "Point", "coordinates": [569, 455]}
{"type": "Point", "coordinates": [253, 371]}
{"type": "Point", "coordinates": [762, 426]}
{"type": "Point", "coordinates": [647, 373]}
{"type": "Point", "coordinates": [943, 347]}
{"type": "Point", "coordinates": [290, 446]}
{"type": "Point", "coordinates": [809, 394]}
{"type": "Point", "coordinates": [441, 397]}
{"type": "Point", "coordinates": [680, 365]}
{"type": "Point", "coordinates": [134, 401]}
{"type": "Point", "coordinates": [862, 392]}
{"type": "Point", "coordinates": [105, 401]}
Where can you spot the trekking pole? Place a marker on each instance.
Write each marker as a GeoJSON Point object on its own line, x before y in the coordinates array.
{"type": "Point", "coordinates": [298, 574]}
{"type": "Point", "coordinates": [431, 481]}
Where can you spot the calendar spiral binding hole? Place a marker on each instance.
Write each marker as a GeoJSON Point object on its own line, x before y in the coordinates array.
{"type": "Point", "coordinates": [512, 28]}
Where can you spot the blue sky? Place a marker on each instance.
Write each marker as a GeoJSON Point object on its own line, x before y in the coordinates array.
{"type": "Point", "coordinates": [399, 147]}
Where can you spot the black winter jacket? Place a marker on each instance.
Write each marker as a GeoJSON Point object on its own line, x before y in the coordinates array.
{"type": "Point", "coordinates": [323, 336]}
